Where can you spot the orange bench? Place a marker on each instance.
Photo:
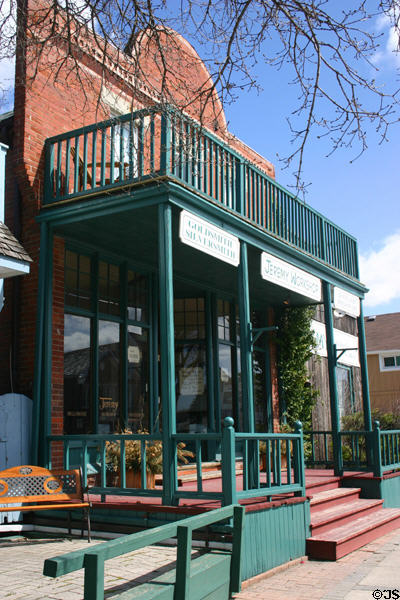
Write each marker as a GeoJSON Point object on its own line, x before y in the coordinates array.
{"type": "Point", "coordinates": [43, 489]}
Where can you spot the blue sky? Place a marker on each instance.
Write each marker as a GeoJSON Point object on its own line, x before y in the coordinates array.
{"type": "Point", "coordinates": [361, 196]}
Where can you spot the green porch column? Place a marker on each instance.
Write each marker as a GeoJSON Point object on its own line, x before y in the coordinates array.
{"type": "Point", "coordinates": [245, 341]}
{"type": "Point", "coordinates": [362, 349]}
{"type": "Point", "coordinates": [41, 417]}
{"type": "Point", "coordinates": [246, 360]}
{"type": "Point", "coordinates": [38, 362]}
{"type": "Point", "coordinates": [364, 370]}
{"type": "Point", "coordinates": [331, 349]}
{"type": "Point", "coordinates": [167, 351]}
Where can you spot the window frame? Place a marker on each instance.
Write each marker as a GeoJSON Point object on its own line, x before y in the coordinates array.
{"type": "Point", "coordinates": [395, 354]}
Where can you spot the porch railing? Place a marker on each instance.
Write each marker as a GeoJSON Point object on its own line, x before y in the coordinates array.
{"type": "Point", "coordinates": [152, 143]}
{"type": "Point", "coordinates": [109, 476]}
{"type": "Point", "coordinates": [377, 451]}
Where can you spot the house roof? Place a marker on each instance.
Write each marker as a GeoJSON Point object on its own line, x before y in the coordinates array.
{"type": "Point", "coordinates": [10, 246]}
{"type": "Point", "coordinates": [383, 332]}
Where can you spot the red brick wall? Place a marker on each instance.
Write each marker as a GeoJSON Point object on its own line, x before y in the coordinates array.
{"type": "Point", "coordinates": [43, 108]}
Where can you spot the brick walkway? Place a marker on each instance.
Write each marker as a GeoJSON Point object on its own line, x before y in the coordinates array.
{"type": "Point", "coordinates": [21, 566]}
{"type": "Point", "coordinates": [354, 577]}
{"type": "Point", "coordinates": [376, 566]}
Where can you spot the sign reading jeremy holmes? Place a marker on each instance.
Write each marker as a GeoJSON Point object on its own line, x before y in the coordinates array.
{"type": "Point", "coordinates": [288, 276]}
{"type": "Point", "coordinates": [208, 238]}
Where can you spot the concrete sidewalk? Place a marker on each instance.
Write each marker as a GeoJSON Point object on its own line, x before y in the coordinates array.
{"type": "Point", "coordinates": [354, 577]}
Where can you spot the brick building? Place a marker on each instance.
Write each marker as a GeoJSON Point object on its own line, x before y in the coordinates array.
{"type": "Point", "coordinates": [163, 250]}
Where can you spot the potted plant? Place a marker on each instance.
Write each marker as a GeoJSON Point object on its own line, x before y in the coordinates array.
{"type": "Point", "coordinates": [133, 459]}
{"type": "Point", "coordinates": [284, 428]}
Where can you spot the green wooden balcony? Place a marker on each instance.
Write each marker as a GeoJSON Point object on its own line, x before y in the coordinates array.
{"type": "Point", "coordinates": [153, 145]}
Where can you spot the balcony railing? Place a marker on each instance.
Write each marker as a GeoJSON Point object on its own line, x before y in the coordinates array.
{"type": "Point", "coordinates": [150, 144]}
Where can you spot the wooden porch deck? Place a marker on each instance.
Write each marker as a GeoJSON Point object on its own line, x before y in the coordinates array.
{"type": "Point", "coordinates": [315, 478]}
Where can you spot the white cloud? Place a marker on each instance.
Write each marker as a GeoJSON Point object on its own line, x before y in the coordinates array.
{"type": "Point", "coordinates": [388, 51]}
{"type": "Point", "coordinates": [7, 67]}
{"type": "Point", "coordinates": [381, 273]}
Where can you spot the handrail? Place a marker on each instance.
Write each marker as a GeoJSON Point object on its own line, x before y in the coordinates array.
{"type": "Point", "coordinates": [162, 142]}
{"type": "Point", "coordinates": [93, 559]}
{"type": "Point", "coordinates": [377, 451]}
{"type": "Point", "coordinates": [278, 479]}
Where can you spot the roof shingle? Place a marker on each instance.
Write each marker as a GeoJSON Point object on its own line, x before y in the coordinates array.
{"type": "Point", "coordinates": [10, 246]}
{"type": "Point", "coordinates": [383, 332]}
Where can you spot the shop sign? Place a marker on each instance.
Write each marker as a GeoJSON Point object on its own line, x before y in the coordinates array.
{"type": "Point", "coordinates": [208, 238]}
{"type": "Point", "coordinates": [288, 276]}
{"type": "Point", "coordinates": [134, 354]}
{"type": "Point", "coordinates": [346, 302]}
{"type": "Point", "coordinates": [341, 339]}
{"type": "Point", "coordinates": [191, 381]}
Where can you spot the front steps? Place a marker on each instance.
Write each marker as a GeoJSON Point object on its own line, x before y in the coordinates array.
{"type": "Point", "coordinates": [342, 522]}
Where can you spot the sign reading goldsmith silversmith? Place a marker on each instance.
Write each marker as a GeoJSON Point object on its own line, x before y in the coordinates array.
{"type": "Point", "coordinates": [288, 276]}
{"type": "Point", "coordinates": [208, 238]}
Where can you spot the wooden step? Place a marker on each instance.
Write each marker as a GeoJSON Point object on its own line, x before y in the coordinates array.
{"type": "Point", "coordinates": [338, 515]}
{"type": "Point", "coordinates": [339, 541]}
{"type": "Point", "coordinates": [321, 485]}
{"type": "Point", "coordinates": [333, 497]}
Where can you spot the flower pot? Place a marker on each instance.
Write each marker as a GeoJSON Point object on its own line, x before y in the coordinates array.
{"type": "Point", "coordinates": [134, 479]}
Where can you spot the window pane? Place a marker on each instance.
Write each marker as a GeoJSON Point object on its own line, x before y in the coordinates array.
{"type": "Point", "coordinates": [397, 361]}
{"type": "Point", "coordinates": [189, 318]}
{"type": "Point", "coordinates": [138, 378]}
{"type": "Point", "coordinates": [77, 280]}
{"type": "Point", "coordinates": [109, 288]}
{"type": "Point", "coordinates": [225, 381]}
{"type": "Point", "coordinates": [138, 297]}
{"type": "Point", "coordinates": [77, 372]}
{"type": "Point", "coordinates": [260, 392]}
{"type": "Point", "coordinates": [345, 391]}
{"type": "Point", "coordinates": [109, 377]}
{"type": "Point", "coordinates": [191, 388]}
{"type": "Point", "coordinates": [389, 361]}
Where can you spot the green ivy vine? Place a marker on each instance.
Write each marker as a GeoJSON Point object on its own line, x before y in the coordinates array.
{"type": "Point", "coordinates": [296, 342]}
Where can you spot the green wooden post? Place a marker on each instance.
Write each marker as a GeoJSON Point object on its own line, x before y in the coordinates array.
{"type": "Point", "coordinates": [240, 189]}
{"type": "Point", "coordinates": [331, 348]}
{"type": "Point", "coordinates": [183, 556]}
{"type": "Point", "coordinates": [38, 373]}
{"type": "Point", "coordinates": [44, 449]}
{"type": "Point", "coordinates": [298, 457]}
{"type": "Point", "coordinates": [362, 349]}
{"type": "Point", "coordinates": [228, 463]}
{"type": "Point", "coordinates": [245, 341]}
{"type": "Point", "coordinates": [246, 360]}
{"type": "Point", "coordinates": [165, 158]}
{"type": "Point", "coordinates": [94, 577]}
{"type": "Point", "coordinates": [167, 351]}
{"type": "Point", "coordinates": [236, 561]}
{"type": "Point", "coordinates": [376, 448]}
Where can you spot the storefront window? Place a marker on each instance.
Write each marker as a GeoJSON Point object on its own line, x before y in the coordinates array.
{"type": "Point", "coordinates": [119, 385]}
{"type": "Point", "coordinates": [260, 392]}
{"type": "Point", "coordinates": [109, 288]}
{"type": "Point", "coordinates": [77, 280]}
{"type": "Point", "coordinates": [191, 388]}
{"type": "Point", "coordinates": [138, 297]}
{"type": "Point", "coordinates": [109, 377]}
{"type": "Point", "coordinates": [344, 381]}
{"type": "Point", "coordinates": [189, 318]}
{"type": "Point", "coordinates": [138, 378]}
{"type": "Point", "coordinates": [77, 375]}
